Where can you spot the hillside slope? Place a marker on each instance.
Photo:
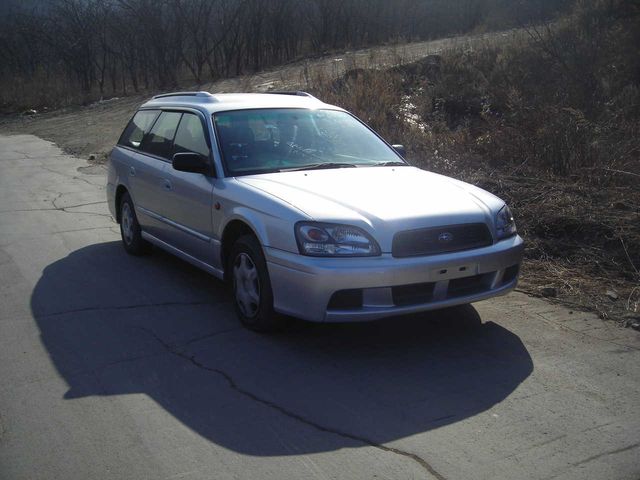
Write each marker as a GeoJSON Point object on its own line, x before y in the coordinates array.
{"type": "Point", "coordinates": [94, 129]}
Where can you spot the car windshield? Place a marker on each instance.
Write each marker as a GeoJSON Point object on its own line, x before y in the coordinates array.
{"type": "Point", "coordinates": [275, 140]}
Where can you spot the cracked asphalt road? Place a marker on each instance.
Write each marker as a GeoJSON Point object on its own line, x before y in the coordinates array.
{"type": "Point", "coordinates": [119, 367]}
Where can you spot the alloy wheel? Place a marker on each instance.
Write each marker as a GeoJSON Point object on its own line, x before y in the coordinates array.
{"type": "Point", "coordinates": [246, 285]}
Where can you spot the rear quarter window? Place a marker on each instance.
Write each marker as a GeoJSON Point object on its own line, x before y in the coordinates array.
{"type": "Point", "coordinates": [138, 127]}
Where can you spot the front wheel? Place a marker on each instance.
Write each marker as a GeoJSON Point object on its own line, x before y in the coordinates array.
{"type": "Point", "coordinates": [251, 286]}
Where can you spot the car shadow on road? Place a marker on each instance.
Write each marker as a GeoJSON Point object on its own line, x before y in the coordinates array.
{"type": "Point", "coordinates": [115, 325]}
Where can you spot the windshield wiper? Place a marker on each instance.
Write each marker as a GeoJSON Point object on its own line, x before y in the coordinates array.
{"type": "Point", "coordinates": [319, 166]}
{"type": "Point", "coordinates": [393, 163]}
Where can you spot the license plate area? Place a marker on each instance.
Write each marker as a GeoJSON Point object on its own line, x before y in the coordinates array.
{"type": "Point", "coordinates": [454, 271]}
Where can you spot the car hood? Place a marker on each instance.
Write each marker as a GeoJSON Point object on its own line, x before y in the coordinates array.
{"type": "Point", "coordinates": [381, 199]}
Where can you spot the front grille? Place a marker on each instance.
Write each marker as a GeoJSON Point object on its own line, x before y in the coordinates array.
{"type": "Point", "coordinates": [445, 239]}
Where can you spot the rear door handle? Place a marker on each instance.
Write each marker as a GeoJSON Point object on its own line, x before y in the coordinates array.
{"type": "Point", "coordinates": [132, 171]}
{"type": "Point", "coordinates": [167, 184]}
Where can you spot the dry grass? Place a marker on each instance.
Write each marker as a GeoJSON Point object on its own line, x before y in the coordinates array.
{"type": "Point", "coordinates": [583, 242]}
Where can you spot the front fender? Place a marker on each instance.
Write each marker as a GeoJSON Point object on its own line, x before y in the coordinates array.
{"type": "Point", "coordinates": [250, 218]}
{"type": "Point", "coordinates": [271, 231]}
{"type": "Point", "coordinates": [271, 219]}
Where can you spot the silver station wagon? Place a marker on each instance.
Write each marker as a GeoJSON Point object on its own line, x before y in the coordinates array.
{"type": "Point", "coordinates": [305, 210]}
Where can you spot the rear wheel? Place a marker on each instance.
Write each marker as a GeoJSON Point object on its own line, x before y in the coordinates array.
{"type": "Point", "coordinates": [130, 228]}
{"type": "Point", "coordinates": [251, 286]}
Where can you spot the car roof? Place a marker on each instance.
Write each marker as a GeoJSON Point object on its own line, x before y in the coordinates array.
{"type": "Point", "coordinates": [220, 102]}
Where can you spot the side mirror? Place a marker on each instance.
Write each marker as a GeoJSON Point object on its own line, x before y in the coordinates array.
{"type": "Point", "coordinates": [400, 149]}
{"type": "Point", "coordinates": [190, 162]}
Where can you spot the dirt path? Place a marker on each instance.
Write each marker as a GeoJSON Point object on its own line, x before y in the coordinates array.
{"type": "Point", "coordinates": [94, 129]}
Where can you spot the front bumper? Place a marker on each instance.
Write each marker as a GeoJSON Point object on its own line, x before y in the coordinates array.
{"type": "Point", "coordinates": [307, 287]}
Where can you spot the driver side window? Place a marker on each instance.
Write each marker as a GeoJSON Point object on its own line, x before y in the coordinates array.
{"type": "Point", "coordinates": [190, 136]}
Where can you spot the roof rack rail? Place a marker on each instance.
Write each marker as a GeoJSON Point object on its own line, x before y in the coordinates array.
{"type": "Point", "coordinates": [298, 93]}
{"type": "Point", "coordinates": [184, 94]}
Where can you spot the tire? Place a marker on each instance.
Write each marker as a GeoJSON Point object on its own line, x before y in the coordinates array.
{"type": "Point", "coordinates": [130, 230]}
{"type": "Point", "coordinates": [251, 287]}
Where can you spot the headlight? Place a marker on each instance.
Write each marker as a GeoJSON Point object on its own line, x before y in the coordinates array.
{"type": "Point", "coordinates": [505, 224]}
{"type": "Point", "coordinates": [332, 240]}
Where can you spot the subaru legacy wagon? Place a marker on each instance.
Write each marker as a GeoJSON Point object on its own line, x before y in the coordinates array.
{"type": "Point", "coordinates": [304, 210]}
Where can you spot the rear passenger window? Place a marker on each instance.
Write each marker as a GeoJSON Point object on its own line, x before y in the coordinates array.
{"type": "Point", "coordinates": [159, 141]}
{"type": "Point", "coordinates": [190, 136]}
{"type": "Point", "coordinates": [137, 128]}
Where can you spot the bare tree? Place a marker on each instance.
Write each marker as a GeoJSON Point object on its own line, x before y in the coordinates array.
{"type": "Point", "coordinates": [100, 47]}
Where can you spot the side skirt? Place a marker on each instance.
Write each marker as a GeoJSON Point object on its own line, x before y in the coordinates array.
{"type": "Point", "coordinates": [184, 256]}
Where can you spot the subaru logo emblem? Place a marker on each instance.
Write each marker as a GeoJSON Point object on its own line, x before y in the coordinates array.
{"type": "Point", "coordinates": [445, 237]}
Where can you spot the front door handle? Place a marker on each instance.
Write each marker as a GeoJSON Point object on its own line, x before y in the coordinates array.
{"type": "Point", "coordinates": [167, 184]}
